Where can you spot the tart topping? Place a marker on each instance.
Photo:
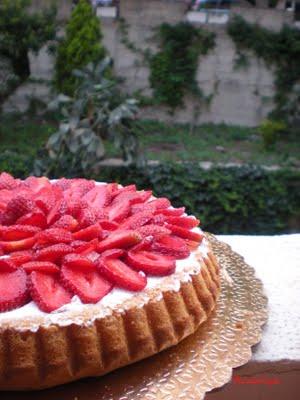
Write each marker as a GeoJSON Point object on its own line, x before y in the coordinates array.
{"type": "Point", "coordinates": [74, 237]}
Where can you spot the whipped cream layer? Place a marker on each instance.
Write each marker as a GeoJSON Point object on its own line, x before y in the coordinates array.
{"type": "Point", "coordinates": [30, 317]}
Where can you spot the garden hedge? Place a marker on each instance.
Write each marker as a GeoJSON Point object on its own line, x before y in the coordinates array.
{"type": "Point", "coordinates": [245, 200]}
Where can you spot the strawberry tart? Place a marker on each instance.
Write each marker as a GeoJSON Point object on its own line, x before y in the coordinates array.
{"type": "Point", "coordinates": [93, 277]}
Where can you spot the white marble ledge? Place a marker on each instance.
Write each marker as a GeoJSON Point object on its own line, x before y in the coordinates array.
{"type": "Point", "coordinates": [276, 260]}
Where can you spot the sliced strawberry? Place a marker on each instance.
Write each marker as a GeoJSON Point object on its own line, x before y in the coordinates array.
{"type": "Point", "coordinates": [21, 257]}
{"type": "Point", "coordinates": [20, 205]}
{"type": "Point", "coordinates": [185, 233]}
{"type": "Point", "coordinates": [41, 266]}
{"type": "Point", "coordinates": [172, 246]}
{"type": "Point", "coordinates": [45, 199]}
{"type": "Point", "coordinates": [172, 212]}
{"type": "Point", "coordinates": [89, 286]}
{"type": "Point", "coordinates": [7, 218]}
{"type": "Point", "coordinates": [37, 184]}
{"type": "Point", "coordinates": [78, 261]}
{"type": "Point", "coordinates": [35, 218]}
{"type": "Point", "coordinates": [119, 211]}
{"type": "Point", "coordinates": [82, 247]}
{"type": "Point", "coordinates": [145, 244]}
{"type": "Point", "coordinates": [184, 222]}
{"type": "Point", "coordinates": [113, 253]}
{"type": "Point", "coordinates": [158, 219]}
{"type": "Point", "coordinates": [54, 235]}
{"type": "Point", "coordinates": [192, 245]}
{"type": "Point", "coordinates": [89, 233]}
{"type": "Point", "coordinates": [87, 217]}
{"type": "Point", "coordinates": [119, 190]}
{"type": "Point", "coordinates": [135, 208]}
{"type": "Point", "coordinates": [17, 245]}
{"type": "Point", "coordinates": [133, 197]}
{"type": "Point", "coordinates": [13, 290]}
{"type": "Point", "coordinates": [160, 203]}
{"type": "Point", "coordinates": [66, 222]}
{"type": "Point", "coordinates": [119, 239]}
{"type": "Point", "coordinates": [47, 291]}
{"type": "Point", "coordinates": [79, 187]}
{"type": "Point", "coordinates": [54, 253]}
{"type": "Point", "coordinates": [7, 181]}
{"type": "Point", "coordinates": [153, 230]}
{"type": "Point", "coordinates": [17, 232]}
{"type": "Point", "coordinates": [108, 225]}
{"type": "Point", "coordinates": [151, 263]}
{"type": "Point", "coordinates": [75, 207]}
{"type": "Point", "coordinates": [121, 275]}
{"type": "Point", "coordinates": [7, 265]}
{"type": "Point", "coordinates": [57, 211]}
{"type": "Point", "coordinates": [63, 183]}
{"type": "Point", "coordinates": [137, 220]}
{"type": "Point", "coordinates": [99, 197]}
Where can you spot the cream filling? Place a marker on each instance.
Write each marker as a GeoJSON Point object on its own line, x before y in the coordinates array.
{"type": "Point", "coordinates": [30, 317]}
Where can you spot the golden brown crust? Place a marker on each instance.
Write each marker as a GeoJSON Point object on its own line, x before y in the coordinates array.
{"type": "Point", "coordinates": [55, 355]}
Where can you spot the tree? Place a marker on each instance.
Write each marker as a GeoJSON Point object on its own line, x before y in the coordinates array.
{"type": "Point", "coordinates": [81, 45]}
{"type": "Point", "coordinates": [22, 31]}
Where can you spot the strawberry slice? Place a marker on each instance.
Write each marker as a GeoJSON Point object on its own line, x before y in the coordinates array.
{"type": "Point", "coordinates": [17, 232]}
{"type": "Point", "coordinates": [19, 206]}
{"type": "Point", "coordinates": [119, 239]}
{"type": "Point", "coordinates": [37, 184]}
{"type": "Point", "coordinates": [78, 261]}
{"type": "Point", "coordinates": [21, 257]}
{"type": "Point", "coordinates": [66, 222]}
{"type": "Point", "coordinates": [151, 263]}
{"type": "Point", "coordinates": [133, 197]}
{"type": "Point", "coordinates": [121, 275]}
{"type": "Point", "coordinates": [87, 217]}
{"type": "Point", "coordinates": [113, 253]}
{"type": "Point", "coordinates": [7, 265]}
{"type": "Point", "coordinates": [153, 230]}
{"type": "Point", "coordinates": [47, 291]}
{"type": "Point", "coordinates": [89, 233]}
{"type": "Point", "coordinates": [136, 208]}
{"type": "Point", "coordinates": [185, 233]}
{"type": "Point", "coordinates": [119, 211]}
{"type": "Point", "coordinates": [53, 253]}
{"type": "Point", "coordinates": [13, 290]}
{"type": "Point", "coordinates": [41, 266]}
{"type": "Point", "coordinates": [17, 245]}
{"type": "Point", "coordinates": [57, 211]}
{"type": "Point", "coordinates": [35, 218]}
{"type": "Point", "coordinates": [172, 246]}
{"type": "Point", "coordinates": [75, 207]}
{"type": "Point", "coordinates": [108, 225]}
{"type": "Point", "coordinates": [145, 244]}
{"type": "Point", "coordinates": [54, 235]}
{"type": "Point", "coordinates": [7, 181]}
{"type": "Point", "coordinates": [137, 220]}
{"type": "Point", "coordinates": [184, 222]}
{"type": "Point", "coordinates": [82, 247]}
{"type": "Point", "coordinates": [89, 286]}
{"type": "Point", "coordinates": [160, 203]}
{"type": "Point", "coordinates": [45, 198]}
{"type": "Point", "coordinates": [63, 183]}
{"type": "Point", "coordinates": [128, 188]}
{"type": "Point", "coordinates": [172, 212]}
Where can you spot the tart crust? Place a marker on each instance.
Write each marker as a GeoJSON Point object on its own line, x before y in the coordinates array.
{"type": "Point", "coordinates": [56, 354]}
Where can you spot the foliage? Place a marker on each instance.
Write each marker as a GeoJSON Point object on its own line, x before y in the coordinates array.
{"type": "Point", "coordinates": [8, 80]}
{"type": "Point", "coordinates": [280, 50]}
{"type": "Point", "coordinates": [22, 31]}
{"type": "Point", "coordinates": [96, 112]}
{"type": "Point", "coordinates": [173, 68]}
{"type": "Point", "coordinates": [269, 130]}
{"type": "Point", "coordinates": [16, 163]}
{"type": "Point", "coordinates": [81, 45]}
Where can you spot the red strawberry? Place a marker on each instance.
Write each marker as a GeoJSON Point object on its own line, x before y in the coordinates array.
{"type": "Point", "coordinates": [119, 239]}
{"type": "Point", "coordinates": [54, 235]}
{"type": "Point", "coordinates": [7, 265]}
{"type": "Point", "coordinates": [121, 275]}
{"type": "Point", "coordinates": [57, 211]}
{"type": "Point", "coordinates": [98, 197]}
{"type": "Point", "coordinates": [172, 246]}
{"type": "Point", "coordinates": [19, 206]}
{"type": "Point", "coordinates": [137, 220]}
{"type": "Point", "coordinates": [153, 230]}
{"type": "Point", "coordinates": [47, 291]}
{"type": "Point", "coordinates": [75, 207]}
{"type": "Point", "coordinates": [159, 219]}
{"type": "Point", "coordinates": [63, 183]}
{"type": "Point", "coordinates": [13, 290]}
{"type": "Point", "coordinates": [174, 212]}
{"type": "Point", "coordinates": [17, 245]}
{"type": "Point", "coordinates": [118, 211]}
{"type": "Point", "coordinates": [160, 203]}
{"type": "Point", "coordinates": [41, 266]}
{"type": "Point", "coordinates": [78, 261]}
{"type": "Point", "coordinates": [108, 225]}
{"type": "Point", "coordinates": [142, 207]}
{"type": "Point", "coordinates": [91, 232]}
{"type": "Point", "coordinates": [45, 199]}
{"type": "Point", "coordinates": [53, 253]}
{"type": "Point", "coordinates": [21, 257]}
{"type": "Point", "coordinates": [185, 233]}
{"type": "Point", "coordinates": [128, 188]}
{"type": "Point", "coordinates": [87, 217]}
{"type": "Point", "coordinates": [89, 286]}
{"type": "Point", "coordinates": [184, 222]}
{"type": "Point", "coordinates": [82, 247]}
{"type": "Point", "coordinates": [133, 197]}
{"type": "Point", "coordinates": [37, 184]}
{"type": "Point", "coordinates": [17, 232]}
{"type": "Point", "coordinates": [145, 244]}
{"type": "Point", "coordinates": [66, 222]}
{"type": "Point", "coordinates": [113, 253]}
{"type": "Point", "coordinates": [7, 181]}
{"type": "Point", "coordinates": [151, 263]}
{"type": "Point", "coordinates": [79, 187]}
{"type": "Point", "coordinates": [7, 218]}
{"type": "Point", "coordinates": [35, 218]}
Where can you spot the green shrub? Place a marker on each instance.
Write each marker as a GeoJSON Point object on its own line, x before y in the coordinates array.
{"type": "Point", "coordinates": [81, 45]}
{"type": "Point", "coordinates": [15, 163]}
{"type": "Point", "coordinates": [270, 130]}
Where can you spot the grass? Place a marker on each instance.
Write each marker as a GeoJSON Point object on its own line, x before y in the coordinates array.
{"type": "Point", "coordinates": [164, 142]}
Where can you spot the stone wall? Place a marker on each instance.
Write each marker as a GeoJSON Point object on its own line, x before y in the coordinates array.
{"type": "Point", "coordinates": [241, 96]}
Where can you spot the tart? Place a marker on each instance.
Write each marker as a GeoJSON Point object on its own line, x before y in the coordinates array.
{"type": "Point", "coordinates": [93, 277]}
